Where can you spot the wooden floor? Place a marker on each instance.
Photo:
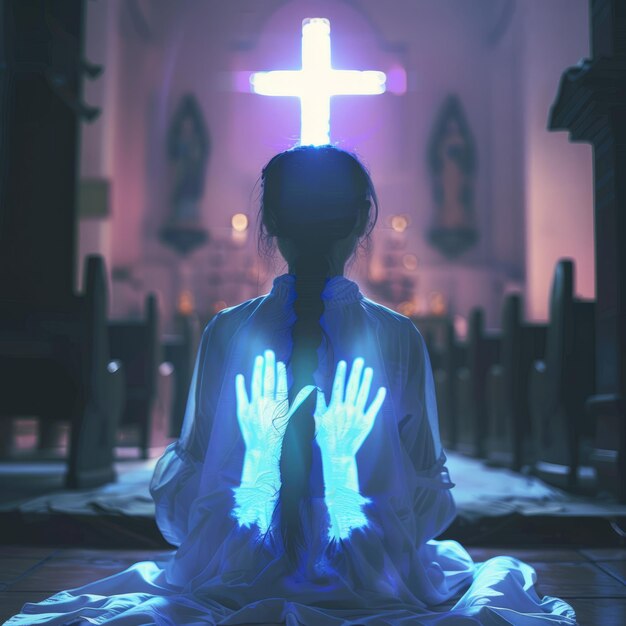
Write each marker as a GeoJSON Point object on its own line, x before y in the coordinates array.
{"type": "Point", "coordinates": [593, 580]}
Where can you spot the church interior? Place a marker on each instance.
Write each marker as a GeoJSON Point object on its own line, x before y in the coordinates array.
{"type": "Point", "coordinates": [133, 134]}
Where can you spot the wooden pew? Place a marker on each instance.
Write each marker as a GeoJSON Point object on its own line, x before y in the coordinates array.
{"type": "Point", "coordinates": [439, 337]}
{"type": "Point", "coordinates": [148, 385]}
{"type": "Point", "coordinates": [560, 385]}
{"type": "Point", "coordinates": [509, 440]}
{"type": "Point", "coordinates": [451, 358]}
{"type": "Point", "coordinates": [54, 364]}
{"type": "Point", "coordinates": [483, 350]}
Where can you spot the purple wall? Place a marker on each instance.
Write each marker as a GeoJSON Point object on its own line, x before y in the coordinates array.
{"type": "Point", "coordinates": [558, 173]}
{"type": "Point", "coordinates": [503, 59]}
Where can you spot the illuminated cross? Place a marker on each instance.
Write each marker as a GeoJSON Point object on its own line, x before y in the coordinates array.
{"type": "Point", "coordinates": [316, 82]}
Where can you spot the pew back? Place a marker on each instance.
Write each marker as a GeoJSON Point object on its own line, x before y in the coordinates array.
{"type": "Point", "coordinates": [483, 351]}
{"type": "Point", "coordinates": [561, 384]}
{"type": "Point", "coordinates": [509, 441]}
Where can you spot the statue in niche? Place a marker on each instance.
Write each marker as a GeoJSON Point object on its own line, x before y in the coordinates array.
{"type": "Point", "coordinates": [452, 162]}
{"type": "Point", "coordinates": [187, 148]}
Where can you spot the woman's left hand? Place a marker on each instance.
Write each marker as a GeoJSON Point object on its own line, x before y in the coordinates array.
{"type": "Point", "coordinates": [343, 425]}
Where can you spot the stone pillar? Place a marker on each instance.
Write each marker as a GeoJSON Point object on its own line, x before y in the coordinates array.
{"type": "Point", "coordinates": [41, 71]}
{"type": "Point", "coordinates": [591, 105]}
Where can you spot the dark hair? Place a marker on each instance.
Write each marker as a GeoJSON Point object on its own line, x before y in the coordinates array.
{"type": "Point", "coordinates": [314, 196]}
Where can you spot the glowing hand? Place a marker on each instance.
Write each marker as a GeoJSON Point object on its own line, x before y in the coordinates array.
{"type": "Point", "coordinates": [263, 418]}
{"type": "Point", "coordinates": [341, 428]}
{"type": "Point", "coordinates": [343, 425]}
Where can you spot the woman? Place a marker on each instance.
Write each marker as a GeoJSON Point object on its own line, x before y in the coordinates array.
{"type": "Point", "coordinates": [309, 479]}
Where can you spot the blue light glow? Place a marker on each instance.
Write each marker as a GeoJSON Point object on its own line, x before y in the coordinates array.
{"type": "Point", "coordinates": [316, 82]}
{"type": "Point", "coordinates": [341, 428]}
{"type": "Point", "coordinates": [262, 418]}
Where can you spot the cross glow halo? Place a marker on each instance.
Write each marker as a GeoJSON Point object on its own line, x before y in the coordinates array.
{"type": "Point", "coordinates": [317, 82]}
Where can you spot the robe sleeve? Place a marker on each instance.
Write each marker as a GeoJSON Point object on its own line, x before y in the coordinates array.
{"type": "Point", "coordinates": [175, 482]}
{"type": "Point", "coordinates": [427, 474]}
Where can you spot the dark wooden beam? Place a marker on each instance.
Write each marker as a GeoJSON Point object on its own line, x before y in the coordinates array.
{"type": "Point", "coordinates": [591, 105]}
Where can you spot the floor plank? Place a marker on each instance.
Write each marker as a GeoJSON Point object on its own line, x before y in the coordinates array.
{"type": "Point", "coordinates": [576, 580]}
{"type": "Point", "coordinates": [127, 556]}
{"type": "Point", "coordinates": [12, 568]}
{"type": "Point", "coordinates": [26, 552]}
{"type": "Point", "coordinates": [58, 573]}
{"type": "Point", "coordinates": [599, 611]}
{"type": "Point", "coordinates": [11, 602]}
{"type": "Point", "coordinates": [596, 590]}
{"type": "Point", "coordinates": [529, 555]}
{"type": "Point", "coordinates": [617, 569]}
{"type": "Point", "coordinates": [604, 554]}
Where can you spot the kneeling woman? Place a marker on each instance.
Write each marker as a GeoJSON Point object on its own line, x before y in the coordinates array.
{"type": "Point", "coordinates": [309, 481]}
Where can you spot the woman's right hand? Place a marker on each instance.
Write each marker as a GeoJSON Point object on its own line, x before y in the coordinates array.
{"type": "Point", "coordinates": [263, 416]}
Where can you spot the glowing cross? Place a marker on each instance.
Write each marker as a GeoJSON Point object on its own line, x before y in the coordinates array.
{"type": "Point", "coordinates": [316, 82]}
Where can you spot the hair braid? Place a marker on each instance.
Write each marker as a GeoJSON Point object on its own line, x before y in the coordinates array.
{"type": "Point", "coordinates": [296, 454]}
{"type": "Point", "coordinates": [312, 197]}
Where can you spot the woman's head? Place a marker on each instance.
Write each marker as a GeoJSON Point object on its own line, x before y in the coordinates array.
{"type": "Point", "coordinates": [316, 200]}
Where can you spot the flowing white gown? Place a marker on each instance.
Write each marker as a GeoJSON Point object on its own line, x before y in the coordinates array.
{"type": "Point", "coordinates": [390, 572]}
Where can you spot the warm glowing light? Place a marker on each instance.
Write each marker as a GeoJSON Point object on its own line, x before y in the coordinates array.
{"type": "Point", "coordinates": [317, 82]}
{"type": "Point", "coordinates": [437, 303]}
{"type": "Point", "coordinates": [185, 304]}
{"type": "Point", "coordinates": [219, 305]}
{"type": "Point", "coordinates": [376, 271]}
{"type": "Point", "coordinates": [239, 222]}
{"type": "Point", "coordinates": [460, 326]}
{"type": "Point", "coordinates": [410, 262]}
{"type": "Point", "coordinates": [399, 223]}
{"type": "Point", "coordinates": [420, 305]}
{"type": "Point", "coordinates": [406, 308]}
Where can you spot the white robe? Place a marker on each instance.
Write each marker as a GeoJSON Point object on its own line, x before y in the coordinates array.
{"type": "Point", "coordinates": [390, 572]}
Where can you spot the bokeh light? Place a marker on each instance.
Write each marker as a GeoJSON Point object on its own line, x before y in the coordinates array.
{"type": "Point", "coordinates": [409, 261]}
{"type": "Point", "coordinates": [399, 223]}
{"type": "Point", "coordinates": [219, 305]}
{"type": "Point", "coordinates": [185, 305]}
{"type": "Point", "coordinates": [438, 305]}
{"type": "Point", "coordinates": [239, 222]}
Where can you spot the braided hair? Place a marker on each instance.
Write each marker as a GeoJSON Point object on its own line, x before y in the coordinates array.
{"type": "Point", "coordinates": [314, 197]}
